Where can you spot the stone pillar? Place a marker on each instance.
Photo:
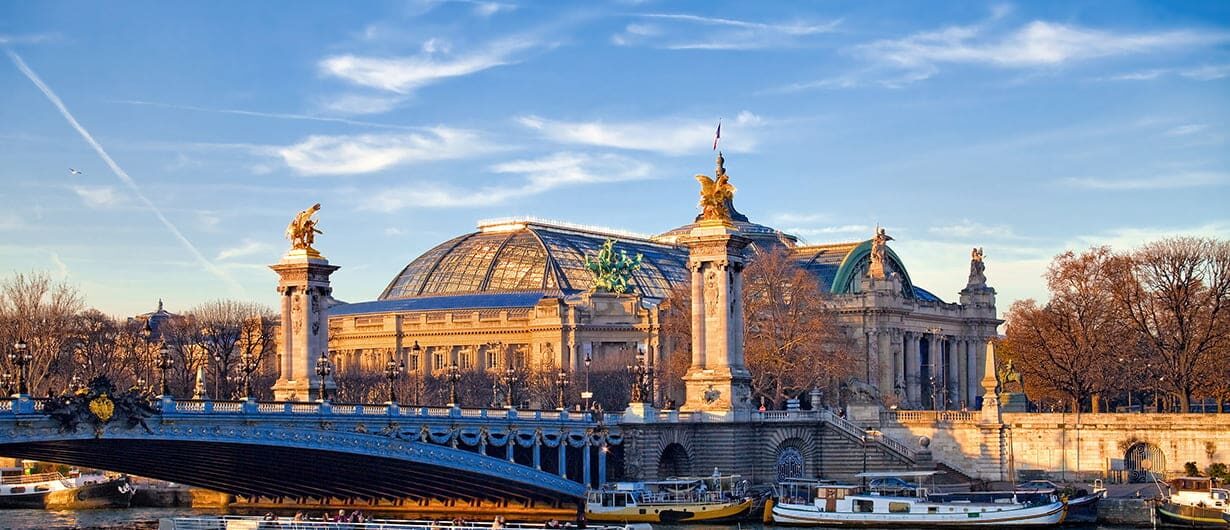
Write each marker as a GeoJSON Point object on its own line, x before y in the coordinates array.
{"type": "Point", "coordinates": [962, 353]}
{"type": "Point", "coordinates": [305, 295]}
{"type": "Point", "coordinates": [888, 360]}
{"type": "Point", "coordinates": [952, 358]}
{"type": "Point", "coordinates": [718, 383]}
{"type": "Point", "coordinates": [990, 402]}
{"type": "Point", "coordinates": [913, 369]}
{"type": "Point", "coordinates": [973, 375]}
{"type": "Point", "coordinates": [935, 356]}
{"type": "Point", "coordinates": [899, 339]}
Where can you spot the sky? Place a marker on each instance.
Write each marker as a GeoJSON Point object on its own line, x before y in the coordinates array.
{"type": "Point", "coordinates": [197, 130]}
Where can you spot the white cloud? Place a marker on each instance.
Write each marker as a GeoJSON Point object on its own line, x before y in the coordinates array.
{"type": "Point", "coordinates": [1197, 73]}
{"type": "Point", "coordinates": [1191, 179]}
{"type": "Point", "coordinates": [967, 229]}
{"type": "Point", "coordinates": [1207, 73]}
{"type": "Point", "coordinates": [98, 196]}
{"type": "Point", "coordinates": [29, 38]}
{"type": "Point", "coordinates": [830, 231]}
{"type": "Point", "coordinates": [1129, 238]}
{"type": "Point", "coordinates": [247, 247]}
{"type": "Point", "coordinates": [694, 32]}
{"type": "Point", "coordinates": [402, 75]}
{"type": "Point", "coordinates": [62, 271]}
{"type": "Point", "coordinates": [367, 153]}
{"type": "Point", "coordinates": [795, 218]}
{"type": "Point", "coordinates": [393, 231]}
{"type": "Point", "coordinates": [539, 176]}
{"type": "Point", "coordinates": [1187, 129]}
{"type": "Point", "coordinates": [666, 136]}
{"type": "Point", "coordinates": [356, 104]}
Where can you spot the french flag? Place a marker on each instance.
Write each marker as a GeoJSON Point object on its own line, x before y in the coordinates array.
{"type": "Point", "coordinates": [717, 135]}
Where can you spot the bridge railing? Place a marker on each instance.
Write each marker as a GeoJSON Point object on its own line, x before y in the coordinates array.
{"type": "Point", "coordinates": [930, 416]}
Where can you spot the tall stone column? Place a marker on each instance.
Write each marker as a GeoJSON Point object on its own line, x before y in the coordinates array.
{"type": "Point", "coordinates": [954, 373]}
{"type": "Point", "coordinates": [962, 354]}
{"type": "Point", "coordinates": [935, 356]}
{"type": "Point", "coordinates": [973, 375]}
{"type": "Point", "coordinates": [913, 368]}
{"type": "Point", "coordinates": [718, 383]}
{"type": "Point", "coordinates": [888, 360]}
{"type": "Point", "coordinates": [305, 295]}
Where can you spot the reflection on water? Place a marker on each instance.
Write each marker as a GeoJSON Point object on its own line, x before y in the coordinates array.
{"type": "Point", "coordinates": [147, 519]}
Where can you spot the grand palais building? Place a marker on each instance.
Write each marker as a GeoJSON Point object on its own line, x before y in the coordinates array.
{"type": "Point", "coordinates": [518, 291]}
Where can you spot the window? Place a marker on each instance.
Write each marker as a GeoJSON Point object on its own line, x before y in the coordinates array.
{"type": "Point", "coordinates": [898, 507]}
{"type": "Point", "coordinates": [465, 359]}
{"type": "Point", "coordinates": [17, 489]}
{"type": "Point", "coordinates": [437, 360]}
{"type": "Point", "coordinates": [414, 363]}
{"type": "Point", "coordinates": [863, 506]}
{"type": "Point", "coordinates": [493, 359]}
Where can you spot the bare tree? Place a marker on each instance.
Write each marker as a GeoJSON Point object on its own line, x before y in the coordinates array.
{"type": "Point", "coordinates": [95, 347]}
{"type": "Point", "coordinates": [224, 330]}
{"type": "Point", "coordinates": [792, 341]}
{"type": "Point", "coordinates": [40, 311]}
{"type": "Point", "coordinates": [676, 333]}
{"type": "Point", "coordinates": [1070, 345]}
{"type": "Point", "coordinates": [1175, 293]}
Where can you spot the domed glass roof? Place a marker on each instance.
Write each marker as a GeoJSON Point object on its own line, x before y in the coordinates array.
{"type": "Point", "coordinates": [532, 256]}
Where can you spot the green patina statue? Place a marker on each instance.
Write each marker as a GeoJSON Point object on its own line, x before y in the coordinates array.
{"type": "Point", "coordinates": [612, 273]}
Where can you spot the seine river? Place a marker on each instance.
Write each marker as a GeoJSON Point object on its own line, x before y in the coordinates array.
{"type": "Point", "coordinates": [147, 518]}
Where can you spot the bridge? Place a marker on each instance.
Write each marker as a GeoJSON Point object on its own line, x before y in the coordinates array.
{"type": "Point", "coordinates": [316, 451]}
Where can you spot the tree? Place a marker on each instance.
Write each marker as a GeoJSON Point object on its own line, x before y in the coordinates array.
{"type": "Point", "coordinates": [40, 311]}
{"type": "Point", "coordinates": [1070, 345]}
{"type": "Point", "coordinates": [1175, 294]}
{"type": "Point", "coordinates": [676, 334]}
{"type": "Point", "coordinates": [792, 341]}
{"type": "Point", "coordinates": [223, 331]}
{"type": "Point", "coordinates": [94, 345]}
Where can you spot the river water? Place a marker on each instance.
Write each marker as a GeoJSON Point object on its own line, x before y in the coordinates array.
{"type": "Point", "coordinates": [147, 518]}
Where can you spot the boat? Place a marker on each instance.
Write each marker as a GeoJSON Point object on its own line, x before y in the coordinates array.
{"type": "Point", "coordinates": [677, 500]}
{"type": "Point", "coordinates": [76, 491]}
{"type": "Point", "coordinates": [1082, 501]}
{"type": "Point", "coordinates": [889, 500]}
{"type": "Point", "coordinates": [1193, 502]}
{"type": "Point", "coordinates": [274, 522]}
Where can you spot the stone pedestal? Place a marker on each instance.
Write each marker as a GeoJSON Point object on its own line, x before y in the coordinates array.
{"type": "Point", "coordinates": [1013, 402]}
{"type": "Point", "coordinates": [305, 296]}
{"type": "Point", "coordinates": [639, 412]}
{"type": "Point", "coordinates": [718, 385]}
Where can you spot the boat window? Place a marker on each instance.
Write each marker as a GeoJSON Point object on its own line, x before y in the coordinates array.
{"type": "Point", "coordinates": [863, 506]}
{"type": "Point", "coordinates": [898, 507]}
{"type": "Point", "coordinates": [42, 487]}
{"type": "Point", "coordinates": [621, 499]}
{"type": "Point", "coordinates": [18, 489]}
{"type": "Point", "coordinates": [932, 509]}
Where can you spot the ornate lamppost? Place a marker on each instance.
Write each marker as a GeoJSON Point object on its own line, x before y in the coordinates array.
{"type": "Point", "coordinates": [642, 377]}
{"type": "Point", "coordinates": [165, 362]}
{"type": "Point", "coordinates": [248, 363]}
{"type": "Point", "coordinates": [510, 379]}
{"type": "Point", "coordinates": [324, 369]}
{"type": "Point", "coordinates": [6, 381]}
{"type": "Point", "coordinates": [417, 352]}
{"type": "Point", "coordinates": [21, 357]}
{"type": "Point", "coordinates": [453, 376]}
{"type": "Point", "coordinates": [392, 371]}
{"type": "Point", "coordinates": [561, 384]}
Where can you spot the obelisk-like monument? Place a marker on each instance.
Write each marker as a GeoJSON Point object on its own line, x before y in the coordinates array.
{"type": "Point", "coordinates": [304, 285]}
{"type": "Point", "coordinates": [717, 382]}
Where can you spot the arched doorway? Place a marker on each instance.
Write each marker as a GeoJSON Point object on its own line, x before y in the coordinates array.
{"type": "Point", "coordinates": [1144, 462]}
{"type": "Point", "coordinates": [675, 462]}
{"type": "Point", "coordinates": [789, 463]}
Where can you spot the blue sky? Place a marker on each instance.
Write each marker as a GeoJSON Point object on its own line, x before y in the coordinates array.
{"type": "Point", "coordinates": [1025, 128]}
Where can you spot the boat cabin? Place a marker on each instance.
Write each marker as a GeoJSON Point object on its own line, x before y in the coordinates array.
{"type": "Point", "coordinates": [1198, 491]}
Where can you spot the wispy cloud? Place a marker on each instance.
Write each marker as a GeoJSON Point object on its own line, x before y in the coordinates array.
{"type": "Point", "coordinates": [123, 175]}
{"type": "Point", "coordinates": [666, 136]}
{"type": "Point", "coordinates": [28, 38]}
{"type": "Point", "coordinates": [676, 31]}
{"type": "Point", "coordinates": [1128, 238]}
{"type": "Point", "coordinates": [967, 229]}
{"type": "Point", "coordinates": [1197, 73]}
{"type": "Point", "coordinates": [247, 247]}
{"type": "Point", "coordinates": [368, 153]}
{"type": "Point", "coordinates": [796, 218]}
{"type": "Point", "coordinates": [1191, 179]}
{"type": "Point", "coordinates": [98, 196]}
{"type": "Point", "coordinates": [849, 231]}
{"type": "Point", "coordinates": [403, 75]}
{"type": "Point", "coordinates": [538, 176]}
{"type": "Point", "coordinates": [278, 115]}
{"type": "Point", "coordinates": [1186, 129]}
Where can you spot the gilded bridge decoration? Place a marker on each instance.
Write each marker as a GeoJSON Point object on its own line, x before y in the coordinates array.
{"type": "Point", "coordinates": [302, 230]}
{"type": "Point", "coordinates": [716, 194]}
{"type": "Point", "coordinates": [98, 404]}
{"type": "Point", "coordinates": [613, 273]}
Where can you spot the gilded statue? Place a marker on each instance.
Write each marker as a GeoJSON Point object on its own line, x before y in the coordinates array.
{"type": "Point", "coordinates": [613, 272]}
{"type": "Point", "coordinates": [302, 229]}
{"type": "Point", "coordinates": [716, 195]}
{"type": "Point", "coordinates": [879, 259]}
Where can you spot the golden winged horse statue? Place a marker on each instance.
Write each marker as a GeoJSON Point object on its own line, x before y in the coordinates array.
{"type": "Point", "coordinates": [716, 195]}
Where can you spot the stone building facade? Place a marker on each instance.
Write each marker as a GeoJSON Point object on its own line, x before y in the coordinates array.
{"type": "Point", "coordinates": [517, 292]}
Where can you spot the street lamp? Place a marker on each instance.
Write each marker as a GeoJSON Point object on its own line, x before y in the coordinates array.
{"type": "Point", "coordinates": [561, 383]}
{"type": "Point", "coordinates": [21, 357]}
{"type": "Point", "coordinates": [392, 371]}
{"type": "Point", "coordinates": [7, 380]}
{"type": "Point", "coordinates": [453, 376]}
{"type": "Point", "coordinates": [219, 373]}
{"type": "Point", "coordinates": [417, 352]}
{"type": "Point", "coordinates": [248, 364]}
{"type": "Point", "coordinates": [587, 395]}
{"type": "Point", "coordinates": [324, 369]}
{"type": "Point", "coordinates": [510, 379]}
{"type": "Point", "coordinates": [165, 362]}
{"type": "Point", "coordinates": [642, 381]}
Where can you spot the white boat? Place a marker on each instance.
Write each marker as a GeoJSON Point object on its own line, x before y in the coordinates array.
{"type": "Point", "coordinates": [270, 522]}
{"type": "Point", "coordinates": [1194, 502]}
{"type": "Point", "coordinates": [19, 489]}
{"type": "Point", "coordinates": [670, 501]}
{"type": "Point", "coordinates": [889, 501]}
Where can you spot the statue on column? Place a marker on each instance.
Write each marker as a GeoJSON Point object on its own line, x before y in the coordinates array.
{"type": "Point", "coordinates": [977, 269]}
{"type": "Point", "coordinates": [302, 229]}
{"type": "Point", "coordinates": [879, 258]}
{"type": "Point", "coordinates": [716, 195]}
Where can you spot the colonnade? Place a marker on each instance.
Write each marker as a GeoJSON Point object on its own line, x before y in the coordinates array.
{"type": "Point", "coordinates": [926, 369]}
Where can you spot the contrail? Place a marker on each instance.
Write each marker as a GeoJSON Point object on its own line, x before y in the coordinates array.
{"type": "Point", "coordinates": [123, 175]}
{"type": "Point", "coordinates": [277, 115]}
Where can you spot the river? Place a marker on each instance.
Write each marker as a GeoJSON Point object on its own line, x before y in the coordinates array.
{"type": "Point", "coordinates": [147, 518]}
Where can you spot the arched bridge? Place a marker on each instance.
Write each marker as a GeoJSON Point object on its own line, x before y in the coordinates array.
{"type": "Point", "coordinates": [320, 451]}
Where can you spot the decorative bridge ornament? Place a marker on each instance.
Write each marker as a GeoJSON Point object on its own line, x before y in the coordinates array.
{"type": "Point", "coordinates": [305, 450]}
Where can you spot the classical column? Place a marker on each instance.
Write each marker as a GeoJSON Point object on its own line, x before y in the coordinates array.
{"type": "Point", "coordinates": [698, 317]}
{"type": "Point", "coordinates": [538, 453]}
{"type": "Point", "coordinates": [888, 360]}
{"type": "Point", "coordinates": [962, 353]}
{"type": "Point", "coordinates": [899, 339]}
{"type": "Point", "coordinates": [951, 358]}
{"type": "Point", "coordinates": [563, 455]}
{"type": "Point", "coordinates": [972, 373]}
{"type": "Point", "coordinates": [913, 368]}
{"type": "Point", "coordinates": [980, 358]}
{"type": "Point", "coordinates": [305, 294]}
{"type": "Point", "coordinates": [935, 355]}
{"type": "Point", "coordinates": [585, 461]}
